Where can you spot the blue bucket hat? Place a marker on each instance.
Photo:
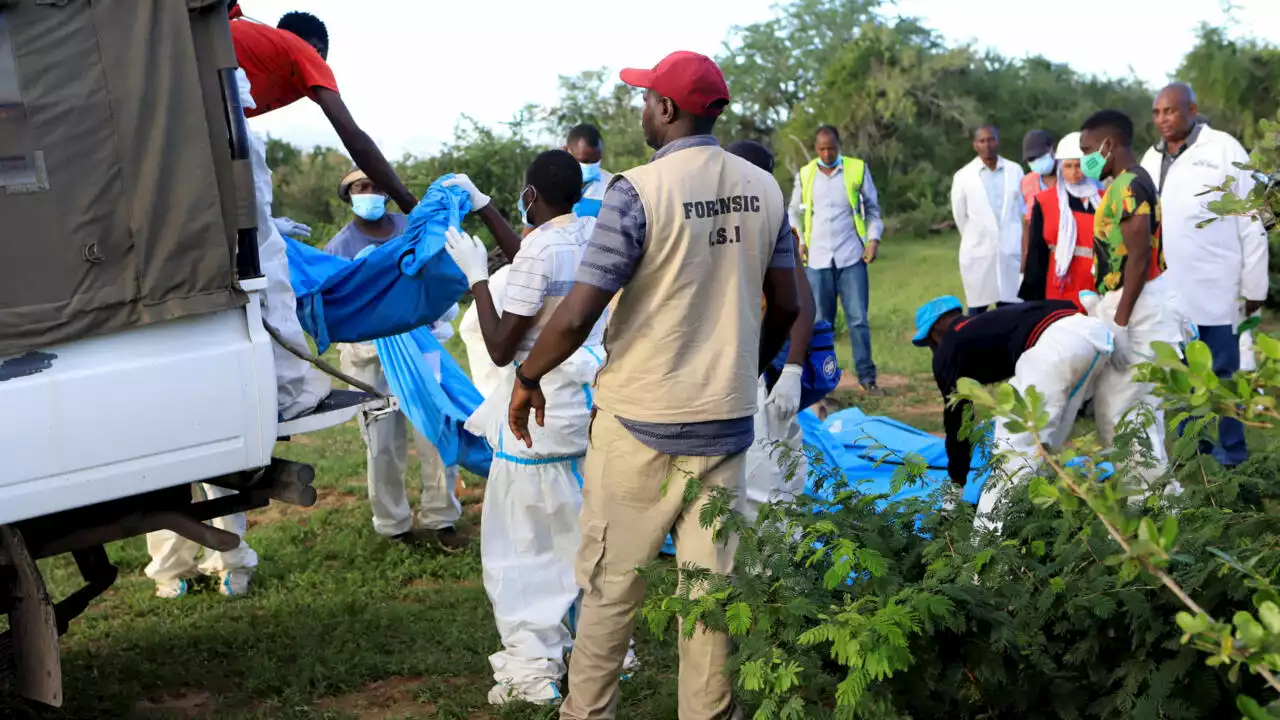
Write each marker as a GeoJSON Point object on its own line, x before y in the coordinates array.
{"type": "Point", "coordinates": [929, 313]}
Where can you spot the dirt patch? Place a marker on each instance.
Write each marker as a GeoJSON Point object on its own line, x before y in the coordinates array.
{"type": "Point", "coordinates": [183, 703]}
{"type": "Point", "coordinates": [390, 698]}
{"type": "Point", "coordinates": [327, 499]}
{"type": "Point", "coordinates": [470, 494]}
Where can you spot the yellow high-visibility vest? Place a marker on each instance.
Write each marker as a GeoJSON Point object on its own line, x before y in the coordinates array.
{"type": "Point", "coordinates": [854, 170]}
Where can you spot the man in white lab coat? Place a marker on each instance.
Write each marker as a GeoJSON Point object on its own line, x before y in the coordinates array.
{"type": "Point", "coordinates": [986, 201]}
{"type": "Point", "coordinates": [1214, 267]}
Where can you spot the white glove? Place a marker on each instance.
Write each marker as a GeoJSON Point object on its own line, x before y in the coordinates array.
{"type": "Point", "coordinates": [784, 399]}
{"type": "Point", "coordinates": [1122, 358]}
{"type": "Point", "coordinates": [478, 199]}
{"type": "Point", "coordinates": [469, 254]}
{"type": "Point", "coordinates": [289, 228]}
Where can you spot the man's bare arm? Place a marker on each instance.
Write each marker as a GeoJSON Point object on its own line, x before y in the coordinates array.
{"type": "Point", "coordinates": [363, 150]}
{"type": "Point", "coordinates": [568, 328]}
{"type": "Point", "coordinates": [1136, 230]}
{"type": "Point", "coordinates": [501, 334]}
{"type": "Point", "coordinates": [782, 307]}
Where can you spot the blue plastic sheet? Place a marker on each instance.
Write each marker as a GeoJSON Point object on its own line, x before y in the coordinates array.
{"type": "Point", "coordinates": [867, 450]}
{"type": "Point", "coordinates": [403, 284]}
{"type": "Point", "coordinates": [871, 448]}
{"type": "Point", "coordinates": [437, 408]}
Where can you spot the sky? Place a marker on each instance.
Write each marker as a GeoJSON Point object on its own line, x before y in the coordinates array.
{"type": "Point", "coordinates": [409, 69]}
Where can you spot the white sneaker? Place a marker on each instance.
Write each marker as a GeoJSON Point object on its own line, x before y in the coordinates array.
{"type": "Point", "coordinates": [172, 589]}
{"type": "Point", "coordinates": [235, 583]}
{"type": "Point", "coordinates": [538, 692]}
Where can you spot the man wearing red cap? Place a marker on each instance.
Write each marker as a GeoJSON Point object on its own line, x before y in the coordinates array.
{"type": "Point", "coordinates": [687, 243]}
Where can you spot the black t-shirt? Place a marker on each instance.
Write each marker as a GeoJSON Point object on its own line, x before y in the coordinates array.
{"type": "Point", "coordinates": [986, 348]}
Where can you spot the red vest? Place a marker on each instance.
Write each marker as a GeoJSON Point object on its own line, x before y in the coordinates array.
{"type": "Point", "coordinates": [1080, 274]}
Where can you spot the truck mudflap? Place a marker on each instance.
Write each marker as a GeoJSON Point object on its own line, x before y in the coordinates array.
{"type": "Point", "coordinates": [29, 650]}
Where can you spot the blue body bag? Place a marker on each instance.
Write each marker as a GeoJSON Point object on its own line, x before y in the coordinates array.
{"type": "Point", "coordinates": [437, 408]}
{"type": "Point", "coordinates": [406, 282]}
{"type": "Point", "coordinates": [821, 372]}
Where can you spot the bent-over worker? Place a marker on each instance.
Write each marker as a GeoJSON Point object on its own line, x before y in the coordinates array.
{"type": "Point", "coordinates": [1050, 345]}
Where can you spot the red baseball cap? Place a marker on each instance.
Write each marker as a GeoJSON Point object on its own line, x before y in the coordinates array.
{"type": "Point", "coordinates": [694, 82]}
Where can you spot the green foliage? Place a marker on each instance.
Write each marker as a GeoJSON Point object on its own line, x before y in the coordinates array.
{"type": "Point", "coordinates": [1237, 81]}
{"type": "Point", "coordinates": [903, 99]}
{"type": "Point", "coordinates": [1101, 598]}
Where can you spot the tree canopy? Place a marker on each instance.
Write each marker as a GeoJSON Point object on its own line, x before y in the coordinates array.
{"type": "Point", "coordinates": [903, 99]}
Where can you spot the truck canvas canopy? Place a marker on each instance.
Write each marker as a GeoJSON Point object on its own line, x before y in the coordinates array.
{"type": "Point", "coordinates": [110, 219]}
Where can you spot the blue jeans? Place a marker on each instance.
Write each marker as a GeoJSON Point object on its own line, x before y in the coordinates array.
{"type": "Point", "coordinates": [1225, 346]}
{"type": "Point", "coordinates": [851, 285]}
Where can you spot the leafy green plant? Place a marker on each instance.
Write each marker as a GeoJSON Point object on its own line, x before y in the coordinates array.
{"type": "Point", "coordinates": [1103, 597]}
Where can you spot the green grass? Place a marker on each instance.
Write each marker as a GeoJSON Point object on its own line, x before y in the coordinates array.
{"type": "Point", "coordinates": [343, 624]}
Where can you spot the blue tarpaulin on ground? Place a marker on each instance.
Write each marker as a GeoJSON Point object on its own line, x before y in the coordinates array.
{"type": "Point", "coordinates": [871, 448]}
{"type": "Point", "coordinates": [868, 450]}
{"type": "Point", "coordinates": [436, 405]}
{"type": "Point", "coordinates": [405, 283]}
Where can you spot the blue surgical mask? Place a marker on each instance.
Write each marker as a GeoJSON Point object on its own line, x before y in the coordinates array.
{"type": "Point", "coordinates": [370, 207]}
{"type": "Point", "coordinates": [832, 165]}
{"type": "Point", "coordinates": [1044, 164]}
{"type": "Point", "coordinates": [590, 172]}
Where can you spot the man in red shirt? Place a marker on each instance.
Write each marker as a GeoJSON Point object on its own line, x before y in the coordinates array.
{"type": "Point", "coordinates": [287, 63]}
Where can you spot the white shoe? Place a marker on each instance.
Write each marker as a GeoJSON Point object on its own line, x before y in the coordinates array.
{"type": "Point", "coordinates": [235, 583]}
{"type": "Point", "coordinates": [538, 692]}
{"type": "Point", "coordinates": [172, 589]}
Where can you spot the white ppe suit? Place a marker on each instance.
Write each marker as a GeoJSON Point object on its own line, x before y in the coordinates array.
{"type": "Point", "coordinates": [1158, 316]}
{"type": "Point", "coordinates": [484, 374]}
{"type": "Point", "coordinates": [386, 438]}
{"type": "Point", "coordinates": [299, 386]}
{"type": "Point", "coordinates": [173, 557]}
{"type": "Point", "coordinates": [529, 532]}
{"type": "Point", "coordinates": [1064, 364]}
{"type": "Point", "coordinates": [776, 464]}
{"type": "Point", "coordinates": [990, 237]}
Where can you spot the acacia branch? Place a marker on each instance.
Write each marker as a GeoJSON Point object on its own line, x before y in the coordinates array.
{"type": "Point", "coordinates": [1164, 578]}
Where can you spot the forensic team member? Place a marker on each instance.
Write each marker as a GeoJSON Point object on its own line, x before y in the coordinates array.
{"type": "Point", "coordinates": [835, 211]}
{"type": "Point", "coordinates": [689, 244]}
{"type": "Point", "coordinates": [778, 450]}
{"type": "Point", "coordinates": [1050, 345]}
{"type": "Point", "coordinates": [1138, 303]}
{"type": "Point", "coordinates": [986, 202]}
{"type": "Point", "coordinates": [1210, 267]}
{"type": "Point", "coordinates": [287, 63]}
{"type": "Point", "coordinates": [387, 435]}
{"type": "Point", "coordinates": [586, 146]}
{"type": "Point", "coordinates": [529, 530]}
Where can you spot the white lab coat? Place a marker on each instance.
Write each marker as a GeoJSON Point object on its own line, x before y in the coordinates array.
{"type": "Point", "coordinates": [990, 238]}
{"type": "Point", "coordinates": [1211, 268]}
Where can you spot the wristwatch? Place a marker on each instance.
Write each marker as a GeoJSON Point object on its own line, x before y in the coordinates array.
{"type": "Point", "coordinates": [525, 382]}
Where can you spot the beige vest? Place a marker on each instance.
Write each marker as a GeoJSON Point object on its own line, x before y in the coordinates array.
{"type": "Point", "coordinates": [684, 338]}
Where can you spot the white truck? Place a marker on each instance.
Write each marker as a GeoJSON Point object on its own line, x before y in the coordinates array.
{"type": "Point", "coordinates": [133, 357]}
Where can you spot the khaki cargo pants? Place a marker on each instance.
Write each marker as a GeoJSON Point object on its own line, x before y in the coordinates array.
{"type": "Point", "coordinates": [625, 519]}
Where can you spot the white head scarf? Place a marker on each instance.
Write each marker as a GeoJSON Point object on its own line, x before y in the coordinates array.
{"type": "Point", "coordinates": [1087, 191]}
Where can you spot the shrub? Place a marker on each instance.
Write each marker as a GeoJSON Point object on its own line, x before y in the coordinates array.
{"type": "Point", "coordinates": [1094, 603]}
